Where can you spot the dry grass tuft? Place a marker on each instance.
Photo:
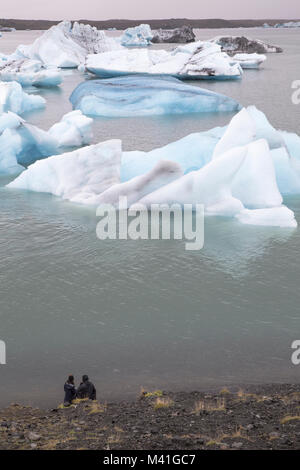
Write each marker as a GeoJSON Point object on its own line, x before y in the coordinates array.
{"type": "Point", "coordinates": [218, 405]}
{"type": "Point", "coordinates": [96, 407]}
{"type": "Point", "coordinates": [155, 393]}
{"type": "Point", "coordinates": [162, 403]}
{"type": "Point", "coordinates": [225, 391]}
{"type": "Point", "coordinates": [288, 419]}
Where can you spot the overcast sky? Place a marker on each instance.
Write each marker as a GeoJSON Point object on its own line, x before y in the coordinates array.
{"type": "Point", "coordinates": [152, 9]}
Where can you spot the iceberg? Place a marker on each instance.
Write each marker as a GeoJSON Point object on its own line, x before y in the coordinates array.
{"type": "Point", "coordinates": [183, 34]}
{"type": "Point", "coordinates": [144, 95]}
{"type": "Point", "coordinates": [242, 44]}
{"type": "Point", "coordinates": [139, 36]}
{"type": "Point", "coordinates": [21, 143]}
{"type": "Point", "coordinates": [76, 176]}
{"type": "Point", "coordinates": [66, 46]}
{"type": "Point", "coordinates": [13, 98]}
{"type": "Point", "coordinates": [250, 61]}
{"type": "Point", "coordinates": [28, 72]}
{"type": "Point", "coordinates": [74, 130]}
{"type": "Point", "coordinates": [199, 60]}
{"type": "Point", "coordinates": [238, 171]}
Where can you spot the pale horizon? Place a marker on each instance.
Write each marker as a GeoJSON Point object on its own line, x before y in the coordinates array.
{"type": "Point", "coordinates": [134, 10]}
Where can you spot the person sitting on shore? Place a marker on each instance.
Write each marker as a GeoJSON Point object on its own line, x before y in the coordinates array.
{"type": "Point", "coordinates": [86, 389]}
{"type": "Point", "coordinates": [70, 391]}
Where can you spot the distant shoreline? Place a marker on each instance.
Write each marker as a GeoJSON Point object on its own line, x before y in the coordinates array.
{"type": "Point", "coordinates": [155, 24]}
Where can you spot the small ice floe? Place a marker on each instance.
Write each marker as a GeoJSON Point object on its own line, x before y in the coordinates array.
{"type": "Point", "coordinates": [13, 98]}
{"type": "Point", "coordinates": [250, 61]}
{"type": "Point", "coordinates": [21, 143]}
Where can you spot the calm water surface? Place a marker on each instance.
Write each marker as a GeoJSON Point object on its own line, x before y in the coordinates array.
{"type": "Point", "coordinates": [149, 314]}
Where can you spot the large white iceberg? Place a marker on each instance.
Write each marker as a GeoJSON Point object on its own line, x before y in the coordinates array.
{"type": "Point", "coordinates": [138, 36]}
{"type": "Point", "coordinates": [28, 72]}
{"type": "Point", "coordinates": [199, 60]}
{"type": "Point", "coordinates": [237, 171]}
{"type": "Point", "coordinates": [144, 95]}
{"type": "Point", "coordinates": [21, 143]}
{"type": "Point", "coordinates": [13, 98]}
{"type": "Point", "coordinates": [65, 45]}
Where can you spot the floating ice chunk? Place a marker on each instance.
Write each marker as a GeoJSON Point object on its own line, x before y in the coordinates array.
{"type": "Point", "coordinates": [241, 44]}
{"type": "Point", "coordinates": [28, 72]}
{"type": "Point", "coordinates": [276, 217]}
{"type": "Point", "coordinates": [177, 35]}
{"type": "Point", "coordinates": [22, 142]}
{"type": "Point", "coordinates": [144, 95]}
{"type": "Point", "coordinates": [74, 129]}
{"type": "Point", "coordinates": [202, 61]}
{"type": "Point", "coordinates": [250, 61]}
{"type": "Point", "coordinates": [138, 36]}
{"type": "Point", "coordinates": [27, 143]}
{"type": "Point", "coordinates": [76, 176]}
{"type": "Point", "coordinates": [210, 186]}
{"type": "Point", "coordinates": [162, 173]}
{"type": "Point", "coordinates": [13, 98]}
{"type": "Point", "coordinates": [66, 46]}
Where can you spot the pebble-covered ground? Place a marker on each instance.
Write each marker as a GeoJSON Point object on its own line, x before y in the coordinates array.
{"type": "Point", "coordinates": [265, 417]}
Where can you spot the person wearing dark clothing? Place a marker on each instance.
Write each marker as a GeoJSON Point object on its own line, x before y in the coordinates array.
{"type": "Point", "coordinates": [70, 391]}
{"type": "Point", "coordinates": [86, 389]}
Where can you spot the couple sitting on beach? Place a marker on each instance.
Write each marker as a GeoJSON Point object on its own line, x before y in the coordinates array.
{"type": "Point", "coordinates": [85, 390]}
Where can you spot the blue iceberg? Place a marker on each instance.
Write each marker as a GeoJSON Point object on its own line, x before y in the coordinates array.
{"type": "Point", "coordinates": [144, 95]}
{"type": "Point", "coordinates": [139, 36]}
{"type": "Point", "coordinates": [22, 143]}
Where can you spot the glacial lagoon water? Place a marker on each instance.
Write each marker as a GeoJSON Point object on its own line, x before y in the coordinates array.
{"type": "Point", "coordinates": [148, 313]}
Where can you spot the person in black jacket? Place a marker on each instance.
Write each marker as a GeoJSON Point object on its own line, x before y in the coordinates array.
{"type": "Point", "coordinates": [86, 389]}
{"type": "Point", "coordinates": [70, 391]}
